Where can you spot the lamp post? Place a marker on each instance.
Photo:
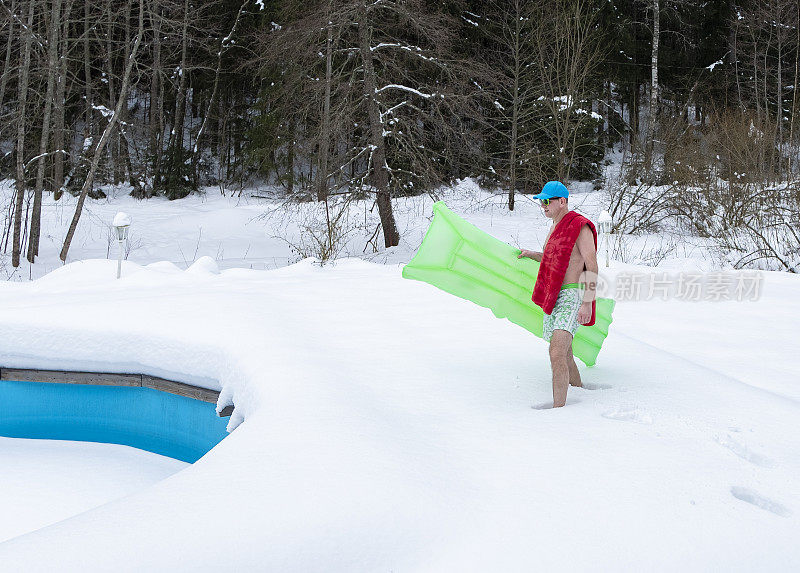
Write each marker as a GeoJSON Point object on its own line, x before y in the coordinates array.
{"type": "Point", "coordinates": [122, 222]}
{"type": "Point", "coordinates": [604, 222]}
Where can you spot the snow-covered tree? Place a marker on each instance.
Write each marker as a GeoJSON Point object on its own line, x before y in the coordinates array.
{"type": "Point", "coordinates": [377, 80]}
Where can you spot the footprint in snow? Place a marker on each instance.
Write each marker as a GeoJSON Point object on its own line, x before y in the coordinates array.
{"type": "Point", "coordinates": [629, 415]}
{"type": "Point", "coordinates": [765, 503]}
{"type": "Point", "coordinates": [595, 386]}
{"type": "Point", "coordinates": [744, 452]}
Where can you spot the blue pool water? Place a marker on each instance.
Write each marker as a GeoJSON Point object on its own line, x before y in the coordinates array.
{"type": "Point", "coordinates": [167, 424]}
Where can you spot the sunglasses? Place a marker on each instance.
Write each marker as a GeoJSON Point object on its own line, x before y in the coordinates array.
{"type": "Point", "coordinates": [545, 202]}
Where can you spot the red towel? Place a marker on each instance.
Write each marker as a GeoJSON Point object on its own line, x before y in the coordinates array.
{"type": "Point", "coordinates": [556, 259]}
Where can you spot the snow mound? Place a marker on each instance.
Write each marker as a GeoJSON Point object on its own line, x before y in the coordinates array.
{"type": "Point", "coordinates": [88, 273]}
{"type": "Point", "coordinates": [204, 266]}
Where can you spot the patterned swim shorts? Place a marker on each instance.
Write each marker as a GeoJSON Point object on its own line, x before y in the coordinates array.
{"type": "Point", "coordinates": [565, 312]}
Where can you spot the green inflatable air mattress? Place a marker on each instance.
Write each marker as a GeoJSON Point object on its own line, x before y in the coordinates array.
{"type": "Point", "coordinates": [459, 258]}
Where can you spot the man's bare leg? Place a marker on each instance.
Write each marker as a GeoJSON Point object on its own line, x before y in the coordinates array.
{"type": "Point", "coordinates": [560, 350]}
{"type": "Point", "coordinates": [574, 375]}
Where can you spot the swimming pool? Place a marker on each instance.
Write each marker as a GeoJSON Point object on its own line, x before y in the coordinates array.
{"type": "Point", "coordinates": [168, 424]}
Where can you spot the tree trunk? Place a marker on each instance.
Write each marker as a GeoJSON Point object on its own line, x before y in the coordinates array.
{"type": "Point", "coordinates": [52, 71]}
{"type": "Point", "coordinates": [175, 169]}
{"type": "Point", "coordinates": [290, 155]}
{"type": "Point", "coordinates": [733, 43]}
{"type": "Point", "coordinates": [125, 145]}
{"type": "Point", "coordinates": [156, 97]}
{"type": "Point", "coordinates": [87, 70]}
{"type": "Point", "coordinates": [58, 106]}
{"type": "Point", "coordinates": [609, 114]}
{"type": "Point", "coordinates": [104, 138]}
{"type": "Point", "coordinates": [325, 136]}
{"type": "Point", "coordinates": [794, 95]}
{"type": "Point", "coordinates": [221, 137]}
{"type": "Point", "coordinates": [633, 112]}
{"type": "Point", "coordinates": [765, 81]}
{"type": "Point", "coordinates": [515, 104]}
{"type": "Point", "coordinates": [7, 62]}
{"type": "Point", "coordinates": [113, 139]}
{"type": "Point", "coordinates": [653, 108]}
{"type": "Point", "coordinates": [777, 161]}
{"type": "Point", "coordinates": [380, 175]}
{"type": "Point", "coordinates": [22, 99]}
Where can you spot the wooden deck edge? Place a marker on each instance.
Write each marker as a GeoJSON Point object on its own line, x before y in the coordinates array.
{"type": "Point", "coordinates": [64, 377]}
{"type": "Point", "coordinates": [113, 379]}
{"type": "Point", "coordinates": [180, 388]}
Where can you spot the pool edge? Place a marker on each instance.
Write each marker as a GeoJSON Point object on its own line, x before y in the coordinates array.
{"type": "Point", "coordinates": [115, 379]}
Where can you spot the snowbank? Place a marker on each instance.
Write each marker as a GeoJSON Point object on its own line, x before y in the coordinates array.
{"type": "Point", "coordinates": [383, 425]}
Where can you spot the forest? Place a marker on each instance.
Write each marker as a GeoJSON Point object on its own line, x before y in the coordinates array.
{"type": "Point", "coordinates": [331, 100]}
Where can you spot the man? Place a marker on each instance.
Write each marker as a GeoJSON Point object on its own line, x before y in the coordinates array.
{"type": "Point", "coordinates": [565, 285]}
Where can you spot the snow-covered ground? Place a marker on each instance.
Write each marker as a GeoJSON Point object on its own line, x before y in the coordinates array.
{"type": "Point", "coordinates": [381, 424]}
{"type": "Point", "coordinates": [254, 232]}
{"type": "Point", "coordinates": [45, 481]}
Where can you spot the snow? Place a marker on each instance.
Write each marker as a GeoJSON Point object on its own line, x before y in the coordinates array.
{"type": "Point", "coordinates": [204, 266]}
{"type": "Point", "coordinates": [404, 88]}
{"type": "Point", "coordinates": [122, 219]}
{"type": "Point", "coordinates": [381, 424]}
{"type": "Point", "coordinates": [103, 110]}
{"type": "Point", "coordinates": [223, 227]}
{"type": "Point", "coordinates": [45, 481]}
{"type": "Point", "coordinates": [592, 114]}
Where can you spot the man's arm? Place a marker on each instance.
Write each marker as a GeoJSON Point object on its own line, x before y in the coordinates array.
{"type": "Point", "coordinates": [535, 255]}
{"type": "Point", "coordinates": [588, 252]}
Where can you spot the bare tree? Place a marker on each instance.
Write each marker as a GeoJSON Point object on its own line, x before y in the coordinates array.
{"type": "Point", "coordinates": [377, 143]}
{"type": "Point", "coordinates": [567, 53]}
{"type": "Point", "coordinates": [7, 68]}
{"type": "Point", "coordinates": [173, 181]}
{"type": "Point", "coordinates": [223, 46]}
{"type": "Point", "coordinates": [52, 72]}
{"type": "Point", "coordinates": [22, 99]}
{"type": "Point", "coordinates": [766, 35]}
{"type": "Point", "coordinates": [795, 87]}
{"type": "Point", "coordinates": [112, 121]}
{"type": "Point", "coordinates": [325, 133]}
{"type": "Point", "coordinates": [393, 52]}
{"type": "Point", "coordinates": [510, 25]}
{"type": "Point", "coordinates": [653, 107]}
{"type": "Point", "coordinates": [156, 93]}
{"type": "Point", "coordinates": [59, 153]}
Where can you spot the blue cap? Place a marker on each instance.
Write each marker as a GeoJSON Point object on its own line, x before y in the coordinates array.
{"type": "Point", "coordinates": [552, 189]}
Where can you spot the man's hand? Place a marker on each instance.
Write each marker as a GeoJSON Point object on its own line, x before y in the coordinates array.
{"type": "Point", "coordinates": [536, 256]}
{"type": "Point", "coordinates": [585, 313]}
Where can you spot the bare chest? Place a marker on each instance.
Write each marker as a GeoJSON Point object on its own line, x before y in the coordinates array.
{"type": "Point", "coordinates": [576, 263]}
